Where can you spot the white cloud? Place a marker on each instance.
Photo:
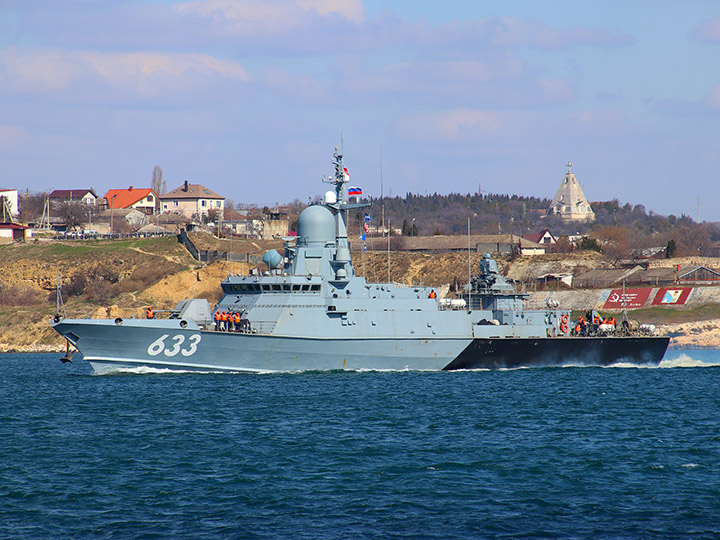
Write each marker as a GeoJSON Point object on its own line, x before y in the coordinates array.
{"type": "Point", "coordinates": [350, 9]}
{"type": "Point", "coordinates": [513, 127]}
{"type": "Point", "coordinates": [499, 80]}
{"type": "Point", "coordinates": [260, 16]}
{"type": "Point", "coordinates": [139, 74]}
{"type": "Point", "coordinates": [457, 124]}
{"type": "Point", "coordinates": [511, 32]}
{"type": "Point", "coordinates": [712, 100]}
{"type": "Point", "coordinates": [708, 30]}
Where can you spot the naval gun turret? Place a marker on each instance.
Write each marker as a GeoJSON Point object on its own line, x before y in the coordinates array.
{"type": "Point", "coordinates": [489, 290]}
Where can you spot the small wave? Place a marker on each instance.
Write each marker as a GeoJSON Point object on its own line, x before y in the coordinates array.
{"type": "Point", "coordinates": [682, 361]}
{"type": "Point", "coordinates": [690, 465]}
{"type": "Point", "coordinates": [685, 360]}
{"type": "Point", "coordinates": [145, 370]}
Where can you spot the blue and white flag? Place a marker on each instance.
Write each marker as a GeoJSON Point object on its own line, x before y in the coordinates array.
{"type": "Point", "coordinates": [367, 217]}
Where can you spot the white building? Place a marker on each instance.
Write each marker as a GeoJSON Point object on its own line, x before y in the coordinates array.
{"type": "Point", "coordinates": [570, 202]}
{"type": "Point", "coordinates": [11, 204]}
{"type": "Point", "coordinates": [190, 200]}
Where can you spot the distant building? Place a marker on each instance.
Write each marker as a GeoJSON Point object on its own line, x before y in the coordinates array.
{"type": "Point", "coordinates": [602, 278]}
{"type": "Point", "coordinates": [10, 209]}
{"type": "Point", "coordinates": [544, 237]}
{"type": "Point", "coordinates": [480, 243]}
{"type": "Point", "coordinates": [111, 220]}
{"type": "Point", "coordinates": [142, 199]}
{"type": "Point", "coordinates": [272, 225]}
{"type": "Point", "coordinates": [12, 232]}
{"type": "Point", "coordinates": [191, 199]}
{"type": "Point", "coordinates": [683, 275]}
{"type": "Point", "coordinates": [87, 196]}
{"type": "Point", "coordinates": [570, 203]}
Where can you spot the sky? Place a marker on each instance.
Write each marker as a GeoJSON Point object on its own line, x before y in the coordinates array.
{"type": "Point", "coordinates": [250, 97]}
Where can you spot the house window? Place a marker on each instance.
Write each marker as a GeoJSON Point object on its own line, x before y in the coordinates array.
{"type": "Point", "coordinates": [217, 204]}
{"type": "Point", "coordinates": [203, 203]}
{"type": "Point", "coordinates": [149, 198]}
{"type": "Point", "coordinates": [175, 204]}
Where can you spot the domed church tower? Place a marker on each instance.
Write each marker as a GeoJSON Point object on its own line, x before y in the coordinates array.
{"type": "Point", "coordinates": [570, 202]}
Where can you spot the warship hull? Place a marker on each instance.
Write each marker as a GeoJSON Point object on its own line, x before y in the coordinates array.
{"type": "Point", "coordinates": [162, 344]}
{"type": "Point", "coordinates": [511, 353]}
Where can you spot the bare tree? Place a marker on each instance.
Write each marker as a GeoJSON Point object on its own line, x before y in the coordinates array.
{"type": "Point", "coordinates": [7, 209]}
{"type": "Point", "coordinates": [73, 214]}
{"type": "Point", "coordinates": [31, 206]}
{"type": "Point", "coordinates": [158, 184]}
{"type": "Point", "coordinates": [616, 242]}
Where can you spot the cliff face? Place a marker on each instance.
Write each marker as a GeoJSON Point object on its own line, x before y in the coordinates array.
{"type": "Point", "coordinates": [94, 271]}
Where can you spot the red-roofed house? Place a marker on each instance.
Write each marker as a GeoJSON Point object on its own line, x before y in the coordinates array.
{"type": "Point", "coordinates": [143, 199]}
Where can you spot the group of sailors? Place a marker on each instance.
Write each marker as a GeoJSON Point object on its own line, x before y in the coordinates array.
{"type": "Point", "coordinates": [593, 323]}
{"type": "Point", "coordinates": [230, 321]}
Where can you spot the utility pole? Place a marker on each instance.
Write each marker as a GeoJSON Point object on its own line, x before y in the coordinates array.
{"type": "Point", "coordinates": [112, 213]}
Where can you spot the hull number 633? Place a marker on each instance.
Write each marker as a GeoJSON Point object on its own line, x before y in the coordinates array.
{"type": "Point", "coordinates": [175, 345]}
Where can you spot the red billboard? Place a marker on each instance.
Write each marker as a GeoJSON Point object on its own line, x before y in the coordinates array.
{"type": "Point", "coordinates": [671, 296]}
{"type": "Point", "coordinates": [631, 298]}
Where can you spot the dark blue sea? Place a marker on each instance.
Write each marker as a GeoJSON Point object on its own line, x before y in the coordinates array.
{"type": "Point", "coordinates": [531, 453]}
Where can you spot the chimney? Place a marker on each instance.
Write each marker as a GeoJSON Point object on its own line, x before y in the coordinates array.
{"type": "Point", "coordinates": [130, 189]}
{"type": "Point", "coordinates": [186, 187]}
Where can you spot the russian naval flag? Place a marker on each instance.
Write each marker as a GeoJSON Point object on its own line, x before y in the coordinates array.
{"type": "Point", "coordinates": [354, 191]}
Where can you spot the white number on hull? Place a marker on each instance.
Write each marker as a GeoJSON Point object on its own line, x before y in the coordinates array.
{"type": "Point", "coordinates": [158, 346]}
{"type": "Point", "coordinates": [194, 340]}
{"type": "Point", "coordinates": [178, 339]}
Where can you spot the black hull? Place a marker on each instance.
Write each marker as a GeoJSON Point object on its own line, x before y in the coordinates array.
{"type": "Point", "coordinates": [560, 351]}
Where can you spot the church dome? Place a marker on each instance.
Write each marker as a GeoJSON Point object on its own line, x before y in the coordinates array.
{"type": "Point", "coordinates": [316, 225]}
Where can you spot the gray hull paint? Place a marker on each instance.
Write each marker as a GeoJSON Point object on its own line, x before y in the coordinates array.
{"type": "Point", "coordinates": [109, 346]}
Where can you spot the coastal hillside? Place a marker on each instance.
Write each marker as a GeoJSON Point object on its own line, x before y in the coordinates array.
{"type": "Point", "coordinates": [112, 278]}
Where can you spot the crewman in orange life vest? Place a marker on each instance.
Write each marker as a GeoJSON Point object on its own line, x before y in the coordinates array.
{"type": "Point", "coordinates": [149, 313]}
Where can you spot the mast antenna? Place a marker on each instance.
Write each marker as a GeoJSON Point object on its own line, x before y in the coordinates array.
{"type": "Point", "coordinates": [382, 199]}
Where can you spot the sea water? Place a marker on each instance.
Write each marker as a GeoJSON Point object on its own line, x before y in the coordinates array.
{"type": "Point", "coordinates": [530, 453]}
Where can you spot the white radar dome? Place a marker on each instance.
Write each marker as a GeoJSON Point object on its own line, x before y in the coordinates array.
{"type": "Point", "coordinates": [330, 197]}
{"type": "Point", "coordinates": [316, 225]}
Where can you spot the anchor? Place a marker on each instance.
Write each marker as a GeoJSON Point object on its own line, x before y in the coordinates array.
{"type": "Point", "coordinates": [68, 355]}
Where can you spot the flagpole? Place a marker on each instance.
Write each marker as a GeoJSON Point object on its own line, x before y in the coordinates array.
{"type": "Point", "coordinates": [469, 271]}
{"type": "Point", "coordinates": [382, 199]}
{"type": "Point", "coordinates": [388, 255]}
